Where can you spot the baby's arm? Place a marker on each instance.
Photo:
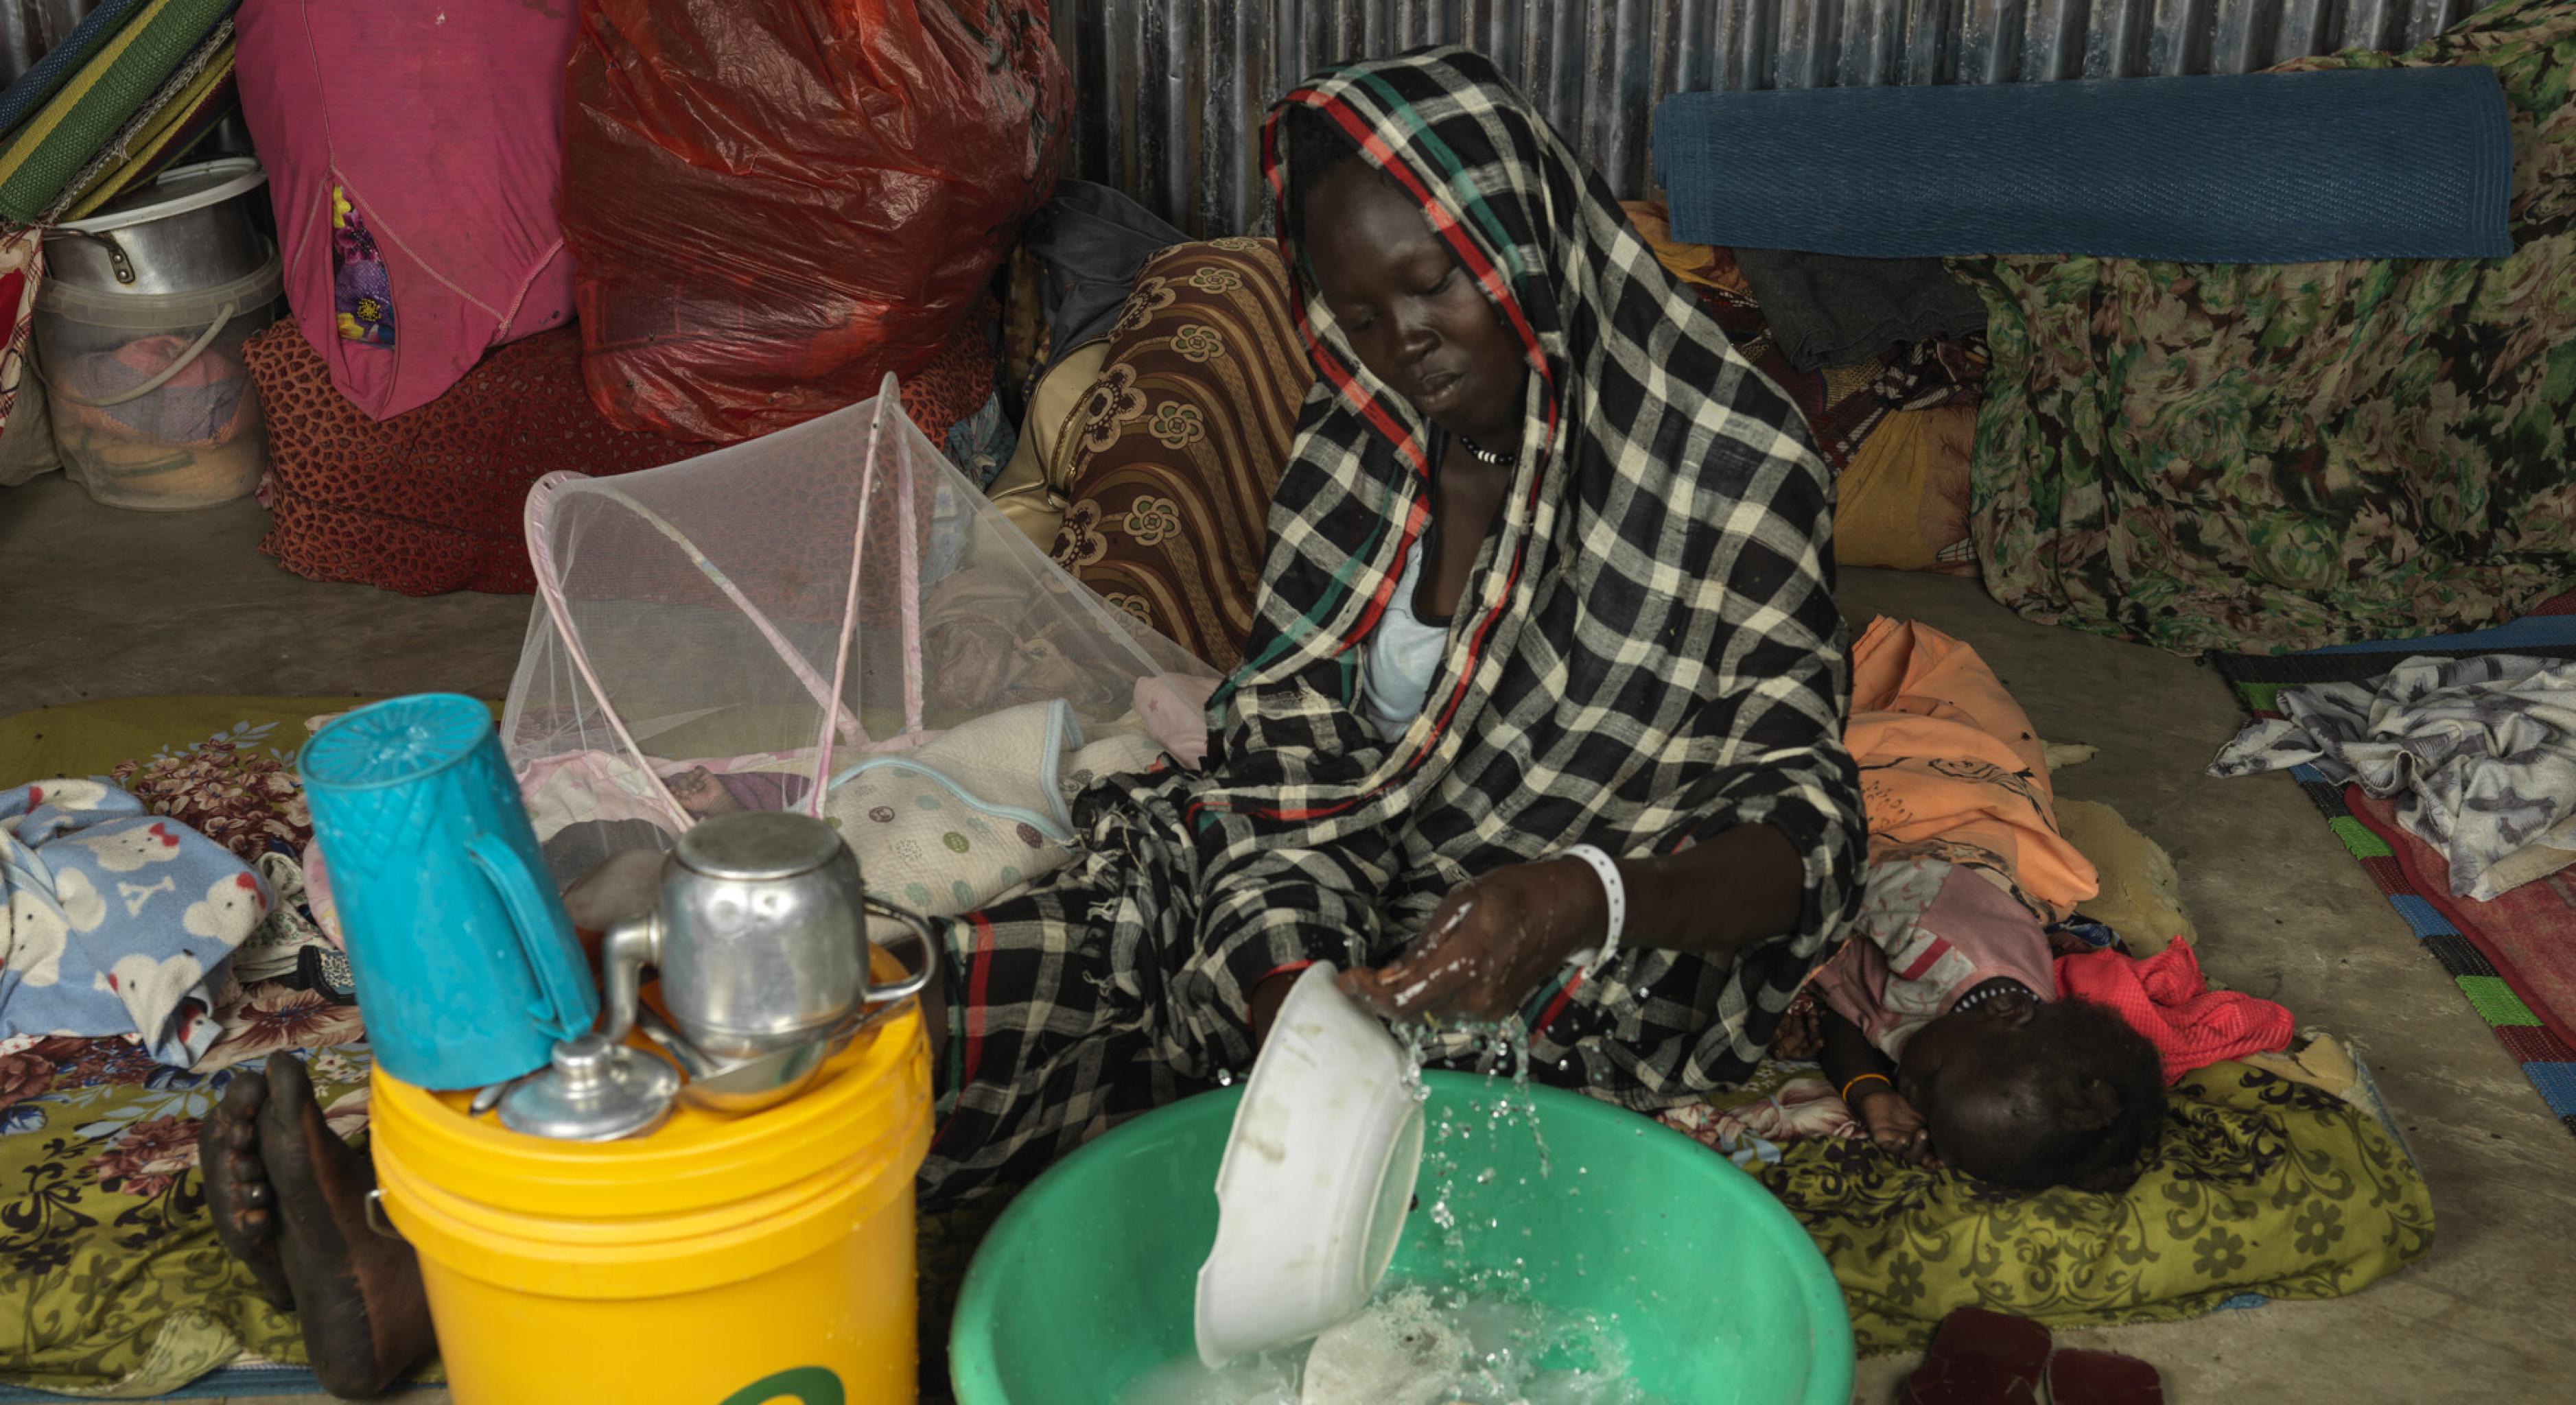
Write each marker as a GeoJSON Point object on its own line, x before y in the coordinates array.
{"type": "Point", "coordinates": [1867, 1083]}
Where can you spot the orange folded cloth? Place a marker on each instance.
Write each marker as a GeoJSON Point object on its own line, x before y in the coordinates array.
{"type": "Point", "coordinates": [1946, 754]}
{"type": "Point", "coordinates": [1708, 265]}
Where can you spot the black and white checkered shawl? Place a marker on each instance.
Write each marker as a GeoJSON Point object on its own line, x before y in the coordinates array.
{"type": "Point", "coordinates": [1647, 655]}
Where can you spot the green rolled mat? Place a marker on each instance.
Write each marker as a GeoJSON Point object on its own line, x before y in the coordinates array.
{"type": "Point", "coordinates": [96, 100]}
{"type": "Point", "coordinates": [196, 96]}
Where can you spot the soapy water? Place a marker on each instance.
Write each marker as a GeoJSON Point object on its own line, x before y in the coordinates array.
{"type": "Point", "coordinates": [1420, 1346]}
{"type": "Point", "coordinates": [1489, 1048]}
{"type": "Point", "coordinates": [1480, 1342]}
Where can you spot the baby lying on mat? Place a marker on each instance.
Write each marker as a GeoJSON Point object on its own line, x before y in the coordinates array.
{"type": "Point", "coordinates": [1939, 1022]}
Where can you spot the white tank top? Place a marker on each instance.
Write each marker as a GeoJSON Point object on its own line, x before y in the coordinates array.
{"type": "Point", "coordinates": [1403, 656]}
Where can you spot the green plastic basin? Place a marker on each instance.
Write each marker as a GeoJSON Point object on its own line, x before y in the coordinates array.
{"type": "Point", "coordinates": [1087, 1282]}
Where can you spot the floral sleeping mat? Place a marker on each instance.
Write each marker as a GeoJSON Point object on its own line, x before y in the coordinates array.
{"type": "Point", "coordinates": [116, 1285]}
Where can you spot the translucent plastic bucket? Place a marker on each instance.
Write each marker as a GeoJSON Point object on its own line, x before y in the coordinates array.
{"type": "Point", "coordinates": [152, 405]}
{"type": "Point", "coordinates": [760, 1259]}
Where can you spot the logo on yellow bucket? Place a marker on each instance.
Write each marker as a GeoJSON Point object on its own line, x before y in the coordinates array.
{"type": "Point", "coordinates": [802, 1385]}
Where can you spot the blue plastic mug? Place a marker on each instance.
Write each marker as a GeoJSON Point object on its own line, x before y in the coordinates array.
{"type": "Point", "coordinates": [467, 967]}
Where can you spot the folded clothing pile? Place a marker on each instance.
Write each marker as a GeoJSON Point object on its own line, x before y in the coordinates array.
{"type": "Point", "coordinates": [2479, 753]}
{"type": "Point", "coordinates": [119, 919]}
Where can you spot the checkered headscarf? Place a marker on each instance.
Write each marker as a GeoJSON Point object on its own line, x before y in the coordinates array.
{"type": "Point", "coordinates": [1647, 655]}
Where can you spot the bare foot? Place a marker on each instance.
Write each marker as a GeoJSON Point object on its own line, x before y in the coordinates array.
{"type": "Point", "coordinates": [358, 1293]}
{"type": "Point", "coordinates": [237, 1190]}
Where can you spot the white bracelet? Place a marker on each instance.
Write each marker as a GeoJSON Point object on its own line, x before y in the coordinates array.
{"type": "Point", "coordinates": [1617, 892]}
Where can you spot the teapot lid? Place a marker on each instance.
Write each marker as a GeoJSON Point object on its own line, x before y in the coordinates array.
{"type": "Point", "coordinates": [759, 844]}
{"type": "Point", "coordinates": [592, 1091]}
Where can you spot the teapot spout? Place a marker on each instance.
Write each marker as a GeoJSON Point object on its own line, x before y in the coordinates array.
{"type": "Point", "coordinates": [633, 944]}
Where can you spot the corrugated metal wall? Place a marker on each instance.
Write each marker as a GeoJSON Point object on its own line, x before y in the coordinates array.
{"type": "Point", "coordinates": [1171, 93]}
{"type": "Point", "coordinates": [30, 27]}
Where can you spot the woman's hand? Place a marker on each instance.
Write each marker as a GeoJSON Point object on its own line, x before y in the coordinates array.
{"type": "Point", "coordinates": [1489, 944]}
{"type": "Point", "coordinates": [1894, 1124]}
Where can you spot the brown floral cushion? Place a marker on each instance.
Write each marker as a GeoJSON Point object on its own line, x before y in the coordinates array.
{"type": "Point", "coordinates": [1181, 441]}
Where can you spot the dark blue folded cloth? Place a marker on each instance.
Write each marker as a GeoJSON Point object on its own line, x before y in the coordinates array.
{"type": "Point", "coordinates": [2247, 168]}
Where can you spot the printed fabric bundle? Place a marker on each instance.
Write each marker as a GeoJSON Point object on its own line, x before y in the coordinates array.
{"type": "Point", "coordinates": [119, 919]}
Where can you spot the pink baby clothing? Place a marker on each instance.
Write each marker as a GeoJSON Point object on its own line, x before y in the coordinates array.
{"type": "Point", "coordinates": [1928, 932]}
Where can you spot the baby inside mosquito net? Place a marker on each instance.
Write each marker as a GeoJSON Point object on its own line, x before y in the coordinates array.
{"type": "Point", "coordinates": [829, 619]}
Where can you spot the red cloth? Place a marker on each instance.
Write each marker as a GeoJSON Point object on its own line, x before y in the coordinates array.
{"type": "Point", "coordinates": [2165, 998]}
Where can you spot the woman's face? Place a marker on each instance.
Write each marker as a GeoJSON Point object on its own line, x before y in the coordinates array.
{"type": "Point", "coordinates": [1413, 316]}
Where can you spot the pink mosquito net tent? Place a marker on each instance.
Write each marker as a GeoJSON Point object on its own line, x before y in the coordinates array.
{"type": "Point", "coordinates": [764, 625]}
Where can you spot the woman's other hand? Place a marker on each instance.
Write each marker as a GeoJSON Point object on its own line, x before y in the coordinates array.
{"type": "Point", "coordinates": [1490, 943]}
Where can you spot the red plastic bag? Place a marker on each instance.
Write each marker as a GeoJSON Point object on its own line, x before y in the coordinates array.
{"type": "Point", "coordinates": [772, 203]}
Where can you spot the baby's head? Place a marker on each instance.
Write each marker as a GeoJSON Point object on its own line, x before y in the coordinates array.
{"type": "Point", "coordinates": [2032, 1094]}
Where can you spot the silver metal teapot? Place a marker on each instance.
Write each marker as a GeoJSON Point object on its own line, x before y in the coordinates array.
{"type": "Point", "coordinates": [761, 941]}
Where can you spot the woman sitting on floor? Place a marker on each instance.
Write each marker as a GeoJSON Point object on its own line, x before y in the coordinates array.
{"type": "Point", "coordinates": [1547, 662]}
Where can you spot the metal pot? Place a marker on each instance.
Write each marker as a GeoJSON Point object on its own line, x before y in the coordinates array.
{"type": "Point", "coordinates": [761, 939]}
{"type": "Point", "coordinates": [190, 228]}
{"type": "Point", "coordinates": [750, 1085]}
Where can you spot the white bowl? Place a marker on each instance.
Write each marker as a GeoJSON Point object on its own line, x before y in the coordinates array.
{"type": "Point", "coordinates": [1317, 1177]}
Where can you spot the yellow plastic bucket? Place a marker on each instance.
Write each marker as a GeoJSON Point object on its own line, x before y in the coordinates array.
{"type": "Point", "coordinates": [758, 1260]}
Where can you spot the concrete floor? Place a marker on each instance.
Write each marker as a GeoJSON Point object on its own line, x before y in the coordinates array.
{"type": "Point", "coordinates": [102, 603]}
